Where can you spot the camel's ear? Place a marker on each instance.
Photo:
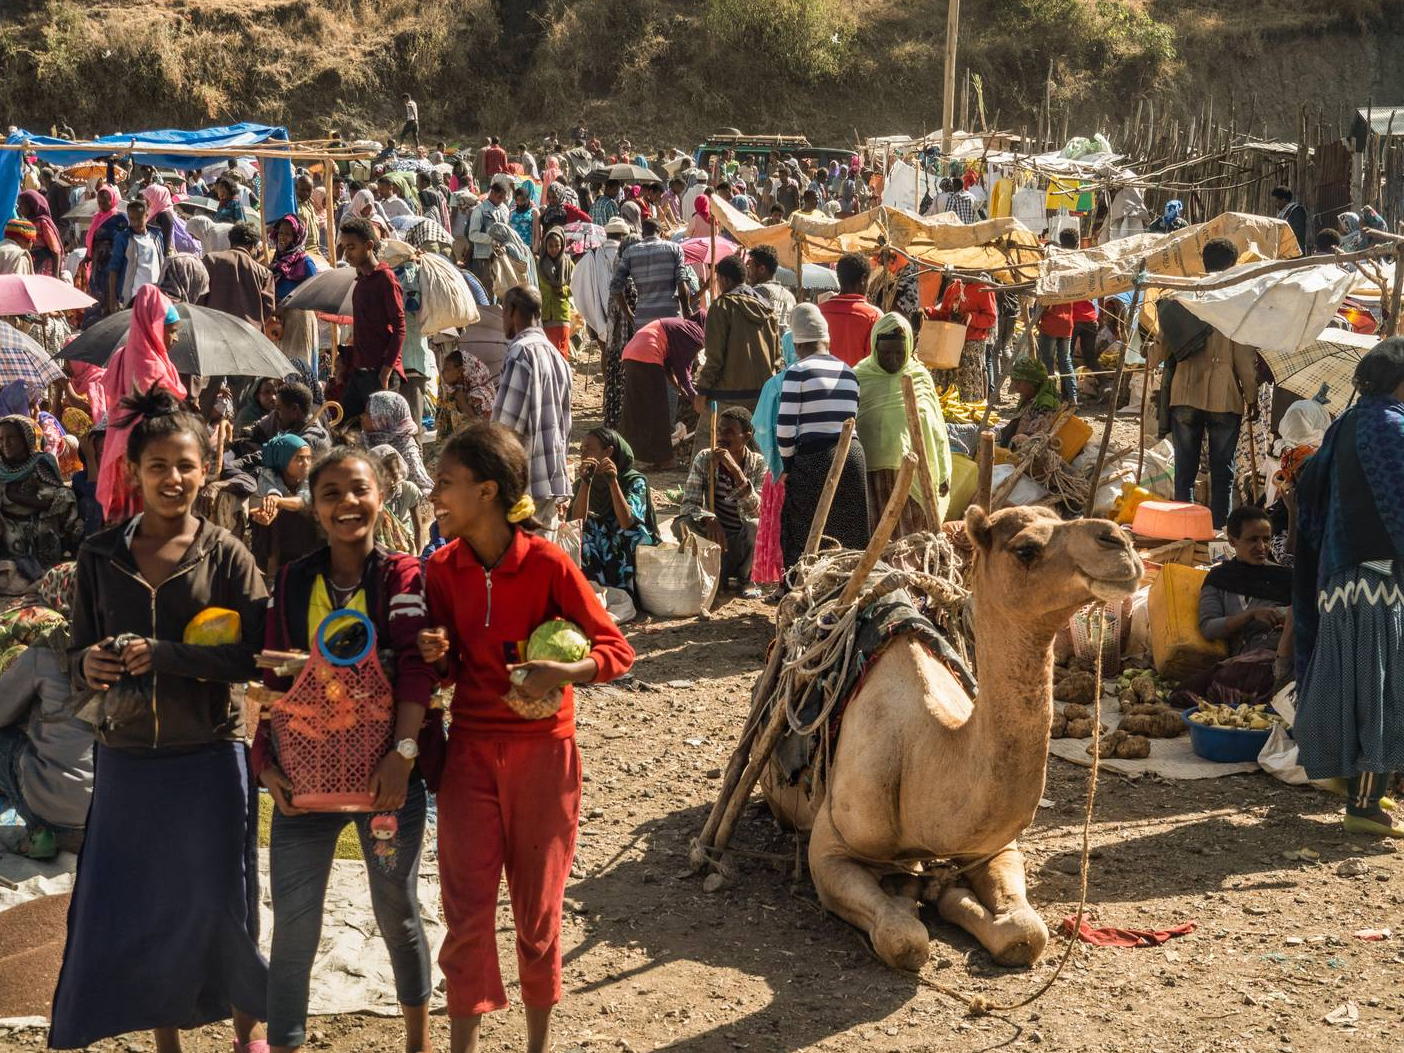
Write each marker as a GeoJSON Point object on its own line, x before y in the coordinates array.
{"type": "Point", "coordinates": [977, 525]}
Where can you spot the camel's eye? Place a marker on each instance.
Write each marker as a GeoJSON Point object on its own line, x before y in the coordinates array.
{"type": "Point", "coordinates": [1028, 551]}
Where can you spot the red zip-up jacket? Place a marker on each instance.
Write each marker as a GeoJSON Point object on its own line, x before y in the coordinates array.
{"type": "Point", "coordinates": [490, 614]}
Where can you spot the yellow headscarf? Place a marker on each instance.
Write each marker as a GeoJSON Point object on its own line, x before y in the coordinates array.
{"type": "Point", "coordinates": [882, 414]}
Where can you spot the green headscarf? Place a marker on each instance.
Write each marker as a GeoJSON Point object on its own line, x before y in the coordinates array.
{"type": "Point", "coordinates": [1031, 371]}
{"type": "Point", "coordinates": [882, 413]}
{"type": "Point", "coordinates": [601, 503]}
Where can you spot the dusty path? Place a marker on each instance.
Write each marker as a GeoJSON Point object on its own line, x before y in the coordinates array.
{"type": "Point", "coordinates": [654, 963]}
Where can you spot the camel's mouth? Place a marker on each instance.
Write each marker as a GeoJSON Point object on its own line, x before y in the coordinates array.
{"type": "Point", "coordinates": [1108, 590]}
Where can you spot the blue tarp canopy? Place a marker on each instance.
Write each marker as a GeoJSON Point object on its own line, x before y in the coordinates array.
{"type": "Point", "coordinates": [159, 149]}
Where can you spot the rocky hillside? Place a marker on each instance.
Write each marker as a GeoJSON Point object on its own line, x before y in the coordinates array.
{"type": "Point", "coordinates": [669, 70]}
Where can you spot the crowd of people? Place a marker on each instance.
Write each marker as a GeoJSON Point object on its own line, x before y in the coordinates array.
{"type": "Point", "coordinates": [405, 476]}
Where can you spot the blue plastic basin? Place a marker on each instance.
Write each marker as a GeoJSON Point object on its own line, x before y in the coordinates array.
{"type": "Point", "coordinates": [1225, 745]}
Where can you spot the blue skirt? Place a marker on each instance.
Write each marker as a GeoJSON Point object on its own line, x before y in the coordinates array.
{"type": "Point", "coordinates": [163, 927]}
{"type": "Point", "coordinates": [1350, 701]}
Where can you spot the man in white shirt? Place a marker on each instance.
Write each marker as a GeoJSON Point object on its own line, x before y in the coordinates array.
{"type": "Point", "coordinates": [491, 209]}
{"type": "Point", "coordinates": [411, 127]}
{"type": "Point", "coordinates": [528, 162]}
{"type": "Point", "coordinates": [138, 258]}
{"type": "Point", "coordinates": [390, 199]}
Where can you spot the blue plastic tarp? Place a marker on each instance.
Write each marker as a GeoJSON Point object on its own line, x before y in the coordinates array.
{"type": "Point", "coordinates": [160, 149]}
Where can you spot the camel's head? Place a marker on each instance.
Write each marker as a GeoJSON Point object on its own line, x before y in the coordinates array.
{"type": "Point", "coordinates": [1034, 565]}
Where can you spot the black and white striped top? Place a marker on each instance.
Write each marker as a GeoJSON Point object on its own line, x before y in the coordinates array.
{"type": "Point", "coordinates": [817, 395]}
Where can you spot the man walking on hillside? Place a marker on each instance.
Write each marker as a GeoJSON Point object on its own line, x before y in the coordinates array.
{"type": "Point", "coordinates": [411, 127]}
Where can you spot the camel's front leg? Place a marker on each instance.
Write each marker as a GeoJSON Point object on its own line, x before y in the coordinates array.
{"type": "Point", "coordinates": [994, 908]}
{"type": "Point", "coordinates": [850, 890]}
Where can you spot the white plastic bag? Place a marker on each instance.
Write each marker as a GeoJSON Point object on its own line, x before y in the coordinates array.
{"type": "Point", "coordinates": [678, 581]}
{"type": "Point", "coordinates": [1278, 756]}
{"type": "Point", "coordinates": [566, 535]}
{"type": "Point", "coordinates": [1025, 491]}
{"type": "Point", "coordinates": [617, 603]}
{"type": "Point", "coordinates": [445, 301]}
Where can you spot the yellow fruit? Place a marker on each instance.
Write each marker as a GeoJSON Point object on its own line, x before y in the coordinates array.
{"type": "Point", "coordinates": [213, 626]}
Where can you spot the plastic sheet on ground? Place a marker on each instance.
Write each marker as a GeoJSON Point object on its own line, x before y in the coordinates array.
{"type": "Point", "coordinates": [1106, 270]}
{"type": "Point", "coordinates": [1277, 311]}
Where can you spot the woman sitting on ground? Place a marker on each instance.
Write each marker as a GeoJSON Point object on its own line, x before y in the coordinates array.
{"type": "Point", "coordinates": [402, 497]}
{"type": "Point", "coordinates": [39, 521]}
{"type": "Point", "coordinates": [819, 392]}
{"type": "Point", "coordinates": [732, 521]}
{"type": "Point", "coordinates": [882, 424]}
{"type": "Point", "coordinates": [615, 508]}
{"type": "Point", "coordinates": [282, 488]}
{"type": "Point", "coordinates": [467, 391]}
{"type": "Point", "coordinates": [1038, 397]}
{"type": "Point", "coordinates": [387, 421]}
{"type": "Point", "coordinates": [259, 401]}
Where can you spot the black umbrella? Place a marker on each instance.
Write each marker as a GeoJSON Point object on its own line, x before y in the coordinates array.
{"type": "Point", "coordinates": [326, 292]}
{"type": "Point", "coordinates": [625, 174]}
{"type": "Point", "coordinates": [209, 343]}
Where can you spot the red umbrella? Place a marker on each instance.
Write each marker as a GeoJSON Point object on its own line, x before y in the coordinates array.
{"type": "Point", "coordinates": [699, 250]}
{"type": "Point", "coordinates": [39, 294]}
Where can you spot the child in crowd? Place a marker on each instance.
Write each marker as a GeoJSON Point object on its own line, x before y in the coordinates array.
{"type": "Point", "coordinates": [162, 931]}
{"type": "Point", "coordinates": [510, 796]}
{"type": "Point", "coordinates": [350, 572]}
{"type": "Point", "coordinates": [466, 393]}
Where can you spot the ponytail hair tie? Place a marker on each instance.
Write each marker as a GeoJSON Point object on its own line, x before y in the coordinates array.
{"type": "Point", "coordinates": [525, 508]}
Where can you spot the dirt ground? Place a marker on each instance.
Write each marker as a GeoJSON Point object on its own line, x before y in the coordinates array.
{"type": "Point", "coordinates": [652, 962]}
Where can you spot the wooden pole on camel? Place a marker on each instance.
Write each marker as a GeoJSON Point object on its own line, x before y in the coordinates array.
{"type": "Point", "coordinates": [984, 470]}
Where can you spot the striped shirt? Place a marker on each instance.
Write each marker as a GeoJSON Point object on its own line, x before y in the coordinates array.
{"type": "Point", "coordinates": [657, 268]}
{"type": "Point", "coordinates": [817, 394]}
{"type": "Point", "coordinates": [533, 399]}
{"type": "Point", "coordinates": [603, 210]}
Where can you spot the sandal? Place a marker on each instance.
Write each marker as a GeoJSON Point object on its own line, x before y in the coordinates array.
{"type": "Point", "coordinates": [1374, 825]}
{"type": "Point", "coordinates": [256, 1045]}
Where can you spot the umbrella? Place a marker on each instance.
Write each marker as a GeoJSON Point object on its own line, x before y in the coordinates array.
{"type": "Point", "coordinates": [39, 294]}
{"type": "Point", "coordinates": [92, 170]}
{"type": "Point", "coordinates": [582, 236]}
{"type": "Point", "coordinates": [199, 204]}
{"type": "Point", "coordinates": [625, 174]}
{"type": "Point", "coordinates": [817, 278]}
{"type": "Point", "coordinates": [1328, 360]}
{"type": "Point", "coordinates": [210, 344]}
{"type": "Point", "coordinates": [699, 250]}
{"type": "Point", "coordinates": [327, 293]}
{"type": "Point", "coordinates": [427, 230]}
{"type": "Point", "coordinates": [86, 210]}
{"type": "Point", "coordinates": [21, 358]}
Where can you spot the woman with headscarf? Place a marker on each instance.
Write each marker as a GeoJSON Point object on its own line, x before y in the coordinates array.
{"type": "Point", "coordinates": [1038, 397]}
{"type": "Point", "coordinates": [524, 216]}
{"type": "Point", "coordinates": [1348, 596]}
{"type": "Point", "coordinates": [282, 528]}
{"type": "Point", "coordinates": [700, 225]}
{"type": "Point", "coordinates": [85, 390]}
{"type": "Point", "coordinates": [108, 205]}
{"type": "Point", "coordinates": [555, 269]}
{"type": "Point", "coordinates": [47, 253]}
{"type": "Point", "coordinates": [883, 427]}
{"type": "Point", "coordinates": [559, 210]}
{"type": "Point", "coordinates": [1353, 238]}
{"type": "Point", "coordinates": [259, 400]}
{"type": "Point", "coordinates": [291, 267]}
{"type": "Point", "coordinates": [631, 214]}
{"type": "Point", "coordinates": [1170, 220]}
{"type": "Point", "coordinates": [614, 506]}
{"type": "Point", "coordinates": [39, 521]}
{"type": "Point", "coordinates": [365, 205]}
{"type": "Point", "coordinates": [184, 278]}
{"type": "Point", "coordinates": [317, 236]}
{"type": "Point", "coordinates": [144, 360]}
{"type": "Point", "coordinates": [387, 421]}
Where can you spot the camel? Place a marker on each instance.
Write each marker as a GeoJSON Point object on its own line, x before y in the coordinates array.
{"type": "Point", "coordinates": [923, 772]}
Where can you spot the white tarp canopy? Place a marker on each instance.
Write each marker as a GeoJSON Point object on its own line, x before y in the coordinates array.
{"type": "Point", "coordinates": [1280, 310]}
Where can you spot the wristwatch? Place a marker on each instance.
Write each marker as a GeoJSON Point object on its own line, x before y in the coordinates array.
{"type": "Point", "coordinates": [407, 748]}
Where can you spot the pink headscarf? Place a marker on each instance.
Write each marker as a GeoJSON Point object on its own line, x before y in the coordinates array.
{"type": "Point", "coordinates": [702, 206]}
{"type": "Point", "coordinates": [142, 361]}
{"type": "Point", "coordinates": [158, 199]}
{"type": "Point", "coordinates": [87, 381]}
{"type": "Point", "coordinates": [103, 214]}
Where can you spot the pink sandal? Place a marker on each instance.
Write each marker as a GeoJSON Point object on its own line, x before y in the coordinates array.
{"type": "Point", "coordinates": [257, 1045]}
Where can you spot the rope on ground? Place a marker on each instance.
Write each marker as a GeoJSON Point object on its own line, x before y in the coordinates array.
{"type": "Point", "coordinates": [980, 1005]}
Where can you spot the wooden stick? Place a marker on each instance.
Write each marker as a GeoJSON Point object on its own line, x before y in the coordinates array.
{"type": "Point", "coordinates": [1392, 326]}
{"type": "Point", "coordinates": [1145, 408]}
{"type": "Point", "coordinates": [712, 463]}
{"type": "Point", "coordinates": [918, 446]}
{"type": "Point", "coordinates": [831, 481]}
{"type": "Point", "coordinates": [799, 268]}
{"type": "Point", "coordinates": [712, 262]}
{"type": "Point", "coordinates": [984, 469]}
{"type": "Point", "coordinates": [1134, 314]}
{"type": "Point", "coordinates": [1011, 480]}
{"type": "Point", "coordinates": [775, 726]}
{"type": "Point", "coordinates": [329, 184]}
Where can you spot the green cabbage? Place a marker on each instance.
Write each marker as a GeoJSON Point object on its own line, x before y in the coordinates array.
{"type": "Point", "coordinates": [557, 641]}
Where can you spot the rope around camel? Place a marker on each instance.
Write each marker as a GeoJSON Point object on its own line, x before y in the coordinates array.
{"type": "Point", "coordinates": [980, 1005]}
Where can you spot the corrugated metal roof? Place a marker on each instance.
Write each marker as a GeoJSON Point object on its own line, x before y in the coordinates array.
{"type": "Point", "coordinates": [1379, 118]}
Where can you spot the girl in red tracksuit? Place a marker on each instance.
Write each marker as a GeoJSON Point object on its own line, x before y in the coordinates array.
{"type": "Point", "coordinates": [510, 796]}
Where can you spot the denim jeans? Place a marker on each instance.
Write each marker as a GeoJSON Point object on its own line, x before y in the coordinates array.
{"type": "Point", "coordinates": [1056, 354]}
{"type": "Point", "coordinates": [301, 850]}
{"type": "Point", "coordinates": [1188, 428]}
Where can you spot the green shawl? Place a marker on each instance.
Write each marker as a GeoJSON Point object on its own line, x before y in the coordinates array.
{"type": "Point", "coordinates": [882, 414]}
{"type": "Point", "coordinates": [601, 503]}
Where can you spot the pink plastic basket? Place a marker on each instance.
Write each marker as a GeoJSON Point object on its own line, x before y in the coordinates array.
{"type": "Point", "coordinates": [335, 724]}
{"type": "Point", "coordinates": [1173, 521]}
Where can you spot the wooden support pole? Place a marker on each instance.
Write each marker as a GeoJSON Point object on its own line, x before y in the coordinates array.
{"type": "Point", "coordinates": [329, 185]}
{"type": "Point", "coordinates": [775, 726]}
{"type": "Point", "coordinates": [918, 446]}
{"type": "Point", "coordinates": [984, 470]}
{"type": "Point", "coordinates": [712, 258]}
{"type": "Point", "coordinates": [1134, 314]}
{"type": "Point", "coordinates": [712, 462]}
{"type": "Point", "coordinates": [799, 268]}
{"type": "Point", "coordinates": [1392, 324]}
{"type": "Point", "coordinates": [948, 97]}
{"type": "Point", "coordinates": [831, 481]}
